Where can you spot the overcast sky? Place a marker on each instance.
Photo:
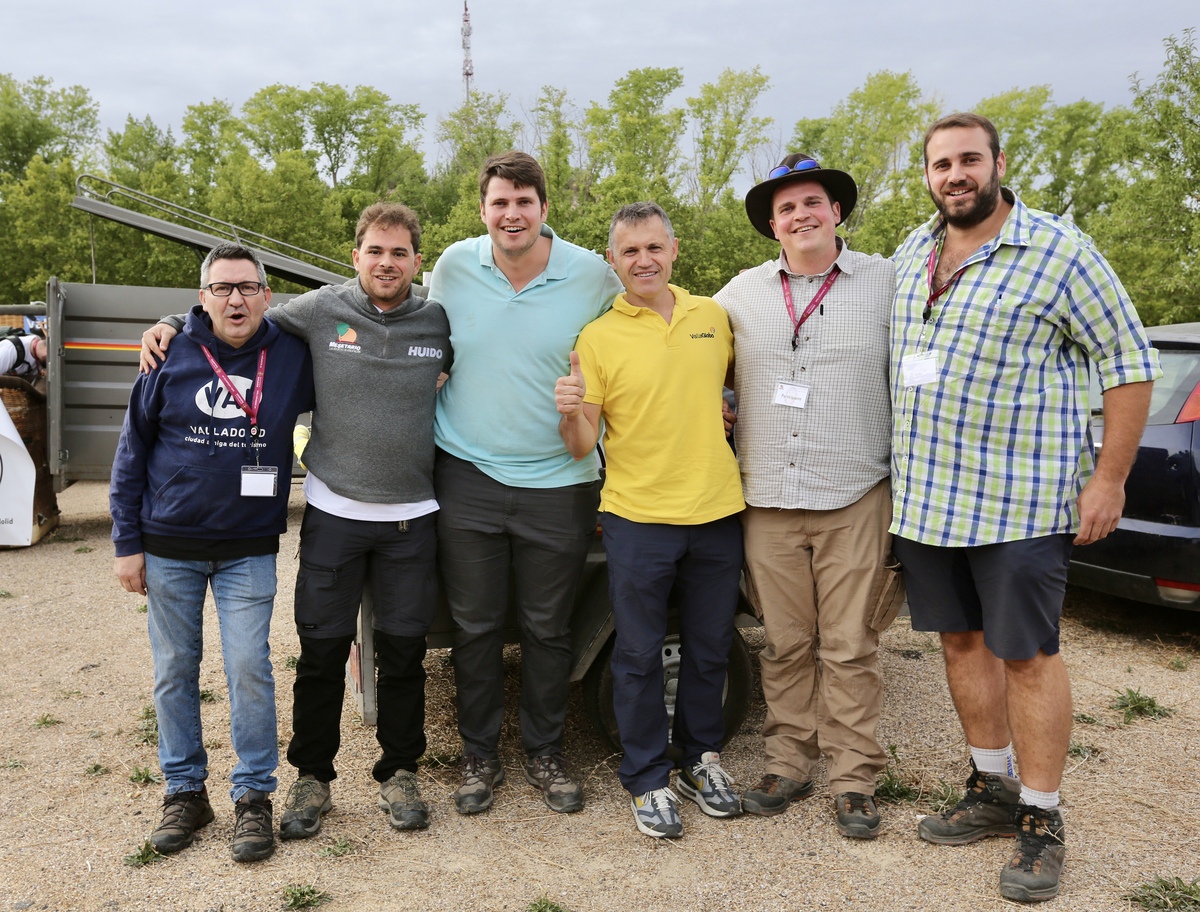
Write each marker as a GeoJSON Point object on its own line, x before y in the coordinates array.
{"type": "Point", "coordinates": [139, 57]}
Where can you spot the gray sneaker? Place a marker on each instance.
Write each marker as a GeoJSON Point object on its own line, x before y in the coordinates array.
{"type": "Point", "coordinates": [549, 773]}
{"type": "Point", "coordinates": [857, 815]}
{"type": "Point", "coordinates": [773, 794]}
{"type": "Point", "coordinates": [656, 814]}
{"type": "Point", "coordinates": [710, 787]}
{"type": "Point", "coordinates": [253, 834]}
{"type": "Point", "coordinates": [402, 799]}
{"type": "Point", "coordinates": [479, 778]}
{"type": "Point", "coordinates": [1032, 873]}
{"type": "Point", "coordinates": [182, 814]}
{"type": "Point", "coordinates": [308, 800]}
{"type": "Point", "coordinates": [988, 808]}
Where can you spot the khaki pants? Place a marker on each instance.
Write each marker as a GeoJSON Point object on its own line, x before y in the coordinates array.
{"type": "Point", "coordinates": [820, 581]}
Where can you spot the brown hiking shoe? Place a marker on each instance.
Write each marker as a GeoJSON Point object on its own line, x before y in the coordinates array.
{"type": "Point", "coordinates": [401, 798]}
{"type": "Point", "coordinates": [183, 814]}
{"type": "Point", "coordinates": [857, 815]}
{"type": "Point", "coordinates": [479, 778]}
{"type": "Point", "coordinates": [988, 808]}
{"type": "Point", "coordinates": [773, 794]}
{"type": "Point", "coordinates": [549, 773]}
{"type": "Point", "coordinates": [307, 801]}
{"type": "Point", "coordinates": [1032, 873]}
{"type": "Point", "coordinates": [253, 833]}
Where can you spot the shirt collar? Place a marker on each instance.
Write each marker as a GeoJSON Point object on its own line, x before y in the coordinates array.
{"type": "Point", "coordinates": [682, 299]}
{"type": "Point", "coordinates": [1015, 232]}
{"type": "Point", "coordinates": [557, 267]}
{"type": "Point", "coordinates": [844, 261]}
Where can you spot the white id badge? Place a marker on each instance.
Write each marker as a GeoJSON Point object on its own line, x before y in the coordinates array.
{"type": "Point", "coordinates": [791, 394]}
{"type": "Point", "coordinates": [919, 368]}
{"type": "Point", "coordinates": [260, 481]}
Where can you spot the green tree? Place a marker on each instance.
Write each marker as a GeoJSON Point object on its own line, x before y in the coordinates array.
{"type": "Point", "coordinates": [725, 132]}
{"type": "Point", "coordinates": [38, 120]}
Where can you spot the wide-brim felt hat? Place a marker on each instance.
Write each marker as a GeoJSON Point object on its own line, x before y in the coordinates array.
{"type": "Point", "coordinates": [796, 167]}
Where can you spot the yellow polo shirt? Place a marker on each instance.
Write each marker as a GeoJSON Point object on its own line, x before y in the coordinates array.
{"type": "Point", "coordinates": [659, 389]}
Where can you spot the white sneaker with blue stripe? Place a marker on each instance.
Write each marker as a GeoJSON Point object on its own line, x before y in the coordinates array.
{"type": "Point", "coordinates": [656, 813]}
{"type": "Point", "coordinates": [710, 787]}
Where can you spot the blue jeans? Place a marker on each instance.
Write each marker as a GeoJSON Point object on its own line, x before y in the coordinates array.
{"type": "Point", "coordinates": [244, 592]}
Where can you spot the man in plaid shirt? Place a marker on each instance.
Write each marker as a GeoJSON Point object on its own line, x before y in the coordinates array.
{"type": "Point", "coordinates": [1001, 311]}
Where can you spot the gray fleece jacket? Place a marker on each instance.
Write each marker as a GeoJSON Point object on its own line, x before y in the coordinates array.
{"type": "Point", "coordinates": [376, 383]}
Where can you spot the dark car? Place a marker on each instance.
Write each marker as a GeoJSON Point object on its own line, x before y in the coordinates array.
{"type": "Point", "coordinates": [1154, 554]}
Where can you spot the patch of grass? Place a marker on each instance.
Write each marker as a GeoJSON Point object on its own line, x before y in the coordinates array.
{"type": "Point", "coordinates": [209, 696]}
{"type": "Point", "coordinates": [147, 730]}
{"type": "Point", "coordinates": [4, 593]}
{"type": "Point", "coordinates": [1086, 719]}
{"type": "Point", "coordinates": [337, 849]}
{"type": "Point", "coordinates": [70, 693]}
{"type": "Point", "coordinates": [143, 775]}
{"type": "Point", "coordinates": [891, 785]}
{"type": "Point", "coordinates": [13, 763]}
{"type": "Point", "coordinates": [291, 662]}
{"type": "Point", "coordinates": [304, 896]}
{"type": "Point", "coordinates": [1166, 893]}
{"type": "Point", "coordinates": [944, 796]}
{"type": "Point", "coordinates": [1179, 663]}
{"type": "Point", "coordinates": [1136, 705]}
{"type": "Point", "coordinates": [96, 769]}
{"type": "Point", "coordinates": [545, 904]}
{"type": "Point", "coordinates": [143, 856]}
{"type": "Point", "coordinates": [62, 535]}
{"type": "Point", "coordinates": [1081, 751]}
{"type": "Point", "coordinates": [143, 608]}
{"type": "Point", "coordinates": [46, 721]}
{"type": "Point", "coordinates": [84, 549]}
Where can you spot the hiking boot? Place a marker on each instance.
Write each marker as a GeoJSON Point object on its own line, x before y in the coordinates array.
{"type": "Point", "coordinates": [1032, 873]}
{"type": "Point", "coordinates": [710, 787]}
{"type": "Point", "coordinates": [549, 773]}
{"type": "Point", "coordinates": [656, 814]}
{"type": "Point", "coordinates": [479, 777]}
{"type": "Point", "coordinates": [253, 834]}
{"type": "Point", "coordinates": [857, 815]}
{"type": "Point", "coordinates": [988, 808]}
{"type": "Point", "coordinates": [773, 794]}
{"type": "Point", "coordinates": [401, 798]}
{"type": "Point", "coordinates": [307, 801]}
{"type": "Point", "coordinates": [183, 814]}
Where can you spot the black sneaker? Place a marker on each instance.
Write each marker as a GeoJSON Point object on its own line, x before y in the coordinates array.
{"type": "Point", "coordinates": [1032, 873]}
{"type": "Point", "coordinates": [857, 815]}
{"type": "Point", "coordinates": [307, 801]}
{"type": "Point", "coordinates": [773, 794]}
{"type": "Point", "coordinates": [479, 778]}
{"type": "Point", "coordinates": [183, 814]}
{"type": "Point", "coordinates": [253, 834]}
{"type": "Point", "coordinates": [549, 773]}
{"type": "Point", "coordinates": [988, 808]}
{"type": "Point", "coordinates": [401, 798]}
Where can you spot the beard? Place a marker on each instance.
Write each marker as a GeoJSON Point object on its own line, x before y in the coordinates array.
{"type": "Point", "coordinates": [987, 198]}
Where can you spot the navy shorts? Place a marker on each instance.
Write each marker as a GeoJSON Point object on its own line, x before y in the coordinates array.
{"type": "Point", "coordinates": [1012, 591]}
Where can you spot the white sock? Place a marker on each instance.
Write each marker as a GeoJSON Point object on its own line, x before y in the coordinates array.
{"type": "Point", "coordinates": [1045, 800]}
{"type": "Point", "coordinates": [994, 761]}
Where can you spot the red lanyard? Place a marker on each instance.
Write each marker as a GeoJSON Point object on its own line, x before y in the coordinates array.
{"type": "Point", "coordinates": [812, 305]}
{"type": "Point", "coordinates": [250, 410]}
{"type": "Point", "coordinates": [934, 256]}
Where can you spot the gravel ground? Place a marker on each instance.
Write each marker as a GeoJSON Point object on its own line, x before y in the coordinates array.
{"type": "Point", "coordinates": [75, 650]}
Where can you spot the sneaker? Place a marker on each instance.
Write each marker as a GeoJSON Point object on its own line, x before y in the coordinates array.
{"type": "Point", "coordinates": [988, 808]}
{"type": "Point", "coordinates": [183, 814]}
{"type": "Point", "coordinates": [401, 798]}
{"type": "Point", "coordinates": [773, 794]}
{"type": "Point", "coordinates": [253, 833]}
{"type": "Point", "coordinates": [479, 778]}
{"type": "Point", "coordinates": [1032, 873]}
{"type": "Point", "coordinates": [857, 815]}
{"type": "Point", "coordinates": [656, 814]}
{"type": "Point", "coordinates": [710, 787]}
{"type": "Point", "coordinates": [307, 801]}
{"type": "Point", "coordinates": [549, 773]}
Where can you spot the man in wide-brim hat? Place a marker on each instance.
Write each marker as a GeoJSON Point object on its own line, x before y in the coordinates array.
{"type": "Point", "coordinates": [813, 432]}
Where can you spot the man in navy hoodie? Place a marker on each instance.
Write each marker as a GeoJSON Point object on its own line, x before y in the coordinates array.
{"type": "Point", "coordinates": [199, 498]}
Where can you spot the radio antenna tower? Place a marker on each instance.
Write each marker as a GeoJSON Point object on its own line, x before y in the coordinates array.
{"type": "Point", "coordinates": [468, 66]}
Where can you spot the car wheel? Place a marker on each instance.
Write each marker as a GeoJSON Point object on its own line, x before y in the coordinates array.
{"type": "Point", "coordinates": [598, 689]}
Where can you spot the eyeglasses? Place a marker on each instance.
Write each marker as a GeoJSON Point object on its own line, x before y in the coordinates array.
{"type": "Point", "coordinates": [805, 164]}
{"type": "Point", "coordinates": [225, 289]}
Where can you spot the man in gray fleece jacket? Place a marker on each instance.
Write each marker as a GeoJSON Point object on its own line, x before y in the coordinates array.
{"type": "Point", "coordinates": [377, 353]}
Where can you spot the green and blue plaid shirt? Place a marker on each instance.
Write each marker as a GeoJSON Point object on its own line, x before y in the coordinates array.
{"type": "Point", "coordinates": [997, 447]}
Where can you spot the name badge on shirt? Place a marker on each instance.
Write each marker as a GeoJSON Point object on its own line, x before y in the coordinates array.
{"type": "Point", "coordinates": [260, 481]}
{"type": "Point", "coordinates": [919, 368]}
{"type": "Point", "coordinates": [791, 394]}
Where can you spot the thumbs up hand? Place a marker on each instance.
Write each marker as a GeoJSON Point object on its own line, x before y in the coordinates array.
{"type": "Point", "coordinates": [569, 390]}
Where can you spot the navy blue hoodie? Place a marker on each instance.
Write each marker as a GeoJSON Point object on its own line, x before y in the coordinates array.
{"type": "Point", "coordinates": [178, 467]}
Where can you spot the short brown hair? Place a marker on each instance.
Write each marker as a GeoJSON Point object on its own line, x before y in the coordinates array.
{"type": "Point", "coordinates": [519, 167]}
{"type": "Point", "coordinates": [389, 215]}
{"type": "Point", "coordinates": [970, 121]}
